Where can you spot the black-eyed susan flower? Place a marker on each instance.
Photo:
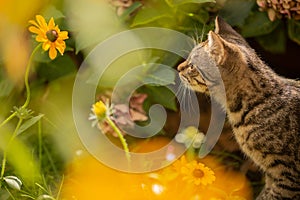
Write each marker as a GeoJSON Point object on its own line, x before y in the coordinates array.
{"type": "Point", "coordinates": [198, 173]}
{"type": "Point", "coordinates": [50, 35]}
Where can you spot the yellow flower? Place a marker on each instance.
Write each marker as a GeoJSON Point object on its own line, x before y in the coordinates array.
{"type": "Point", "coordinates": [198, 173]}
{"type": "Point", "coordinates": [50, 35]}
{"type": "Point", "coordinates": [179, 164]}
{"type": "Point", "coordinates": [99, 109]}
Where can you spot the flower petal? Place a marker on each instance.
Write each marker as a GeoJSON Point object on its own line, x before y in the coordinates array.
{"type": "Point", "coordinates": [61, 50]}
{"type": "Point", "coordinates": [63, 35]}
{"type": "Point", "coordinates": [35, 30]}
{"type": "Point", "coordinates": [33, 23]}
{"type": "Point", "coordinates": [46, 45]}
{"type": "Point", "coordinates": [42, 22]}
{"type": "Point", "coordinates": [60, 46]}
{"type": "Point", "coordinates": [51, 24]}
{"type": "Point", "coordinates": [40, 38]}
{"type": "Point", "coordinates": [52, 52]}
{"type": "Point", "coordinates": [56, 28]}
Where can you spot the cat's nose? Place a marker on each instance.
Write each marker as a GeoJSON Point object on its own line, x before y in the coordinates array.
{"type": "Point", "coordinates": [182, 65]}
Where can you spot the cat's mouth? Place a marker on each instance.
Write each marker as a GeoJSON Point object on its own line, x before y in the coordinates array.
{"type": "Point", "coordinates": [183, 78]}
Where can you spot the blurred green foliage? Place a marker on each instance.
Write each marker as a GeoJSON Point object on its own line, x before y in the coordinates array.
{"type": "Point", "coordinates": [47, 140]}
{"type": "Point", "coordinates": [188, 16]}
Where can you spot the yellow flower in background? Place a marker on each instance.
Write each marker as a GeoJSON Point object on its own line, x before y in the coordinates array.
{"type": "Point", "coordinates": [198, 173]}
{"type": "Point", "coordinates": [99, 109]}
{"type": "Point", "coordinates": [180, 163]}
{"type": "Point", "coordinates": [50, 35]}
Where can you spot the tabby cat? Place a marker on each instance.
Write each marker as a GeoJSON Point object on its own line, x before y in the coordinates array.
{"type": "Point", "coordinates": [262, 107]}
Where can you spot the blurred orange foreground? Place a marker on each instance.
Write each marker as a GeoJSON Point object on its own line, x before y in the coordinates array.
{"type": "Point", "coordinates": [88, 179]}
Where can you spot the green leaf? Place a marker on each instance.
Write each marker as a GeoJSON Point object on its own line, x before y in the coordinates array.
{"type": "Point", "coordinates": [294, 30]}
{"type": "Point", "coordinates": [170, 59]}
{"type": "Point", "coordinates": [267, 41]}
{"type": "Point", "coordinates": [161, 76]}
{"type": "Point", "coordinates": [236, 11]}
{"type": "Point", "coordinates": [162, 96]}
{"type": "Point", "coordinates": [51, 11]}
{"type": "Point", "coordinates": [179, 2]}
{"type": "Point", "coordinates": [147, 15]}
{"type": "Point", "coordinates": [118, 69]}
{"type": "Point", "coordinates": [130, 10]}
{"type": "Point", "coordinates": [42, 56]}
{"type": "Point", "coordinates": [29, 123]}
{"type": "Point", "coordinates": [61, 66]}
{"type": "Point", "coordinates": [258, 24]}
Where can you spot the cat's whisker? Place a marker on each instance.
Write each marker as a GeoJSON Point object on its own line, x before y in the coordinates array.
{"type": "Point", "coordinates": [185, 99]}
{"type": "Point", "coordinates": [192, 43]}
{"type": "Point", "coordinates": [191, 105]}
{"type": "Point", "coordinates": [181, 92]}
{"type": "Point", "coordinates": [178, 93]}
{"type": "Point", "coordinates": [202, 33]}
{"type": "Point", "coordinates": [186, 51]}
{"type": "Point", "coordinates": [195, 39]}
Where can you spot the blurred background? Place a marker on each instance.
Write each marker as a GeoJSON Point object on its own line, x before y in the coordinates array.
{"type": "Point", "coordinates": [45, 158]}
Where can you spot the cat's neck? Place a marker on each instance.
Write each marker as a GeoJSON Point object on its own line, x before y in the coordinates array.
{"type": "Point", "coordinates": [251, 81]}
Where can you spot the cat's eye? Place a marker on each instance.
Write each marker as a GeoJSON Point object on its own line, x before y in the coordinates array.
{"type": "Point", "coordinates": [191, 66]}
{"type": "Point", "coordinates": [192, 70]}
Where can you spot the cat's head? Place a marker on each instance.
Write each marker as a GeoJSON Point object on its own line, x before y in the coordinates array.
{"type": "Point", "coordinates": [221, 52]}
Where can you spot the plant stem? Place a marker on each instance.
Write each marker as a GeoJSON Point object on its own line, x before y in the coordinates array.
{"type": "Point", "coordinates": [26, 86]}
{"type": "Point", "coordinates": [60, 187]}
{"type": "Point", "coordinates": [40, 141]}
{"type": "Point", "coordinates": [7, 147]}
{"type": "Point", "coordinates": [10, 194]}
{"type": "Point", "coordinates": [8, 119]}
{"type": "Point", "coordinates": [122, 139]}
{"type": "Point", "coordinates": [190, 153]}
{"type": "Point", "coordinates": [27, 75]}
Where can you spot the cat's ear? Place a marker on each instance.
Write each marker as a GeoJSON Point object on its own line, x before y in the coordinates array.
{"type": "Point", "coordinates": [216, 47]}
{"type": "Point", "coordinates": [223, 29]}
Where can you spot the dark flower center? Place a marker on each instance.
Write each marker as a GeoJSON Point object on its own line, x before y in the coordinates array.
{"type": "Point", "coordinates": [52, 35]}
{"type": "Point", "coordinates": [198, 173]}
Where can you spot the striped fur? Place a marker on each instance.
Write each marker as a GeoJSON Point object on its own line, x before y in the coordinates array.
{"type": "Point", "coordinates": [262, 107]}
